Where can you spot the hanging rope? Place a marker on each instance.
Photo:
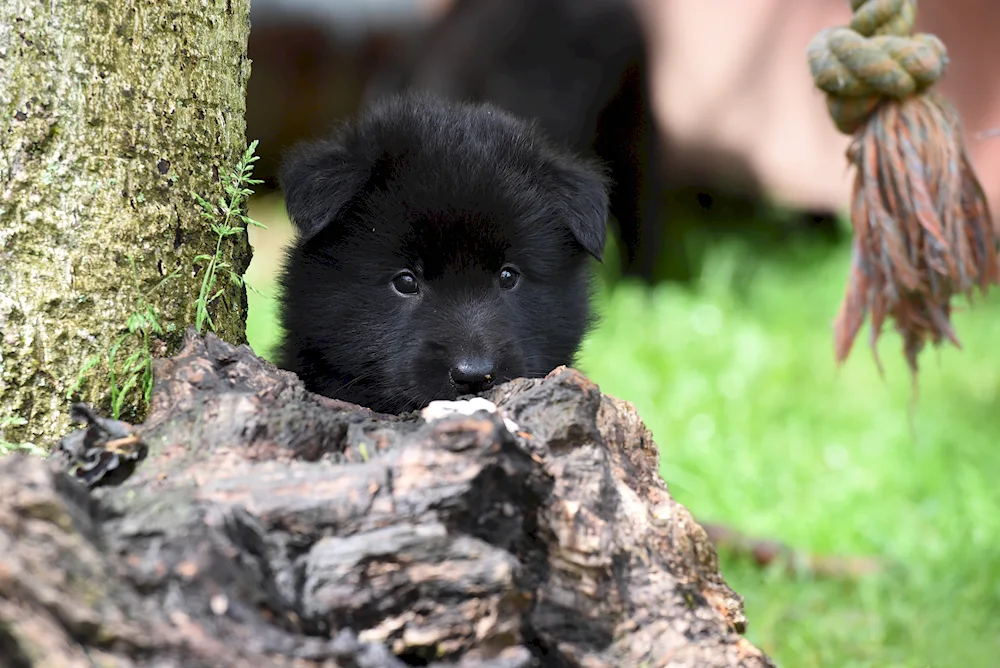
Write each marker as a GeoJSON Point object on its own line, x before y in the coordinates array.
{"type": "Point", "coordinates": [922, 227]}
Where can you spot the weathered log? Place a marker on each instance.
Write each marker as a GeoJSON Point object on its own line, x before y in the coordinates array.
{"type": "Point", "coordinates": [248, 522]}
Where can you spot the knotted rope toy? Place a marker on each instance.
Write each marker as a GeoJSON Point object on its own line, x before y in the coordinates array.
{"type": "Point", "coordinates": [922, 226]}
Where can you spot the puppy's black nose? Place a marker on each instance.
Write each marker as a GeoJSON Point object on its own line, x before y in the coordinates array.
{"type": "Point", "coordinates": [473, 374]}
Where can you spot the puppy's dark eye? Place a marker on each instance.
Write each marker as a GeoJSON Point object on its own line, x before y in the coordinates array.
{"type": "Point", "coordinates": [508, 277]}
{"type": "Point", "coordinates": [405, 283]}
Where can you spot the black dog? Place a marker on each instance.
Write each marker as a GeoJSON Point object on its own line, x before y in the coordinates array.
{"type": "Point", "coordinates": [443, 248]}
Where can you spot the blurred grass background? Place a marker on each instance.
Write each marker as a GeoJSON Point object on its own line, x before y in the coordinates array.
{"type": "Point", "coordinates": [759, 430]}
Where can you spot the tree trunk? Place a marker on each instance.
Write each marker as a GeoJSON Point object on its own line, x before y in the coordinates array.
{"type": "Point", "coordinates": [248, 522]}
{"type": "Point", "coordinates": [112, 114]}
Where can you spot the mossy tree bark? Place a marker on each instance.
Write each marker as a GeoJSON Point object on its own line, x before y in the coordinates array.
{"type": "Point", "coordinates": [111, 114]}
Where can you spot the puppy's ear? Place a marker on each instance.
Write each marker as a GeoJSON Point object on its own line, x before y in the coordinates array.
{"type": "Point", "coordinates": [583, 191]}
{"type": "Point", "coordinates": [320, 179]}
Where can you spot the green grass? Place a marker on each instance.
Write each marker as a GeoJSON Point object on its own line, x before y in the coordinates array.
{"type": "Point", "coordinates": [758, 429]}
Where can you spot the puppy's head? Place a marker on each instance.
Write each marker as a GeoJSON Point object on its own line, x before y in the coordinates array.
{"type": "Point", "coordinates": [442, 248]}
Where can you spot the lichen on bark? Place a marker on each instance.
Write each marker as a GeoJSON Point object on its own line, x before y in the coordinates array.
{"type": "Point", "coordinates": [111, 114]}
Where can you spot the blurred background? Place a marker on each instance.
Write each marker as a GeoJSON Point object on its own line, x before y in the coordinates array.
{"type": "Point", "coordinates": [729, 259]}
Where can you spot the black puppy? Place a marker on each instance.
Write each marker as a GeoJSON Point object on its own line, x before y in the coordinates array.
{"type": "Point", "coordinates": [442, 248]}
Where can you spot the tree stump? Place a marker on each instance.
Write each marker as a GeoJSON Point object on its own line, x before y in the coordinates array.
{"type": "Point", "coordinates": [248, 522]}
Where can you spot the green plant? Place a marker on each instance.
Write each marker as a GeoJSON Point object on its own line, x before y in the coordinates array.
{"type": "Point", "coordinates": [226, 219]}
{"type": "Point", "coordinates": [133, 375]}
{"type": "Point", "coordinates": [137, 370]}
{"type": "Point", "coordinates": [7, 447]}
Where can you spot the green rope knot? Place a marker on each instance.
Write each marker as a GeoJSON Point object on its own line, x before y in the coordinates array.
{"type": "Point", "coordinates": [874, 58]}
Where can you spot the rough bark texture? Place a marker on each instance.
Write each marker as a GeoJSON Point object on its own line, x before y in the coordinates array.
{"type": "Point", "coordinates": [111, 114]}
{"type": "Point", "coordinates": [270, 527]}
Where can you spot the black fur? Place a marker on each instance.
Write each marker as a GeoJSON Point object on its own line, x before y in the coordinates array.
{"type": "Point", "coordinates": [454, 193]}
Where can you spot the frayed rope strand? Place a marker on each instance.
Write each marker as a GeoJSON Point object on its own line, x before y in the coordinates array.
{"type": "Point", "coordinates": [922, 227]}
